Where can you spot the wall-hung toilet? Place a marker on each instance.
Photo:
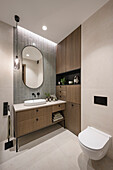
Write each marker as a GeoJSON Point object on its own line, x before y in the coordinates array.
{"type": "Point", "coordinates": [94, 143]}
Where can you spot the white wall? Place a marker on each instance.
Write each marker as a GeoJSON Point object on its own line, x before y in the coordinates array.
{"type": "Point", "coordinates": [97, 70]}
{"type": "Point", "coordinates": [6, 73]}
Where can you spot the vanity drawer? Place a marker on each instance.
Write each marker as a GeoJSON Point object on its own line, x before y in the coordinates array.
{"type": "Point", "coordinates": [61, 96]}
{"type": "Point", "coordinates": [28, 114]}
{"type": "Point", "coordinates": [61, 87]}
{"type": "Point", "coordinates": [32, 120]}
{"type": "Point", "coordinates": [24, 115]}
{"type": "Point", "coordinates": [61, 92]}
{"type": "Point", "coordinates": [58, 107]}
{"type": "Point", "coordinates": [28, 126]}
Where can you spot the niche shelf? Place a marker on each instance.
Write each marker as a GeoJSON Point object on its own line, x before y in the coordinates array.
{"type": "Point", "coordinates": [69, 76]}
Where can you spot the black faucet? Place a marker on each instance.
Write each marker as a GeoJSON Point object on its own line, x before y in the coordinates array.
{"type": "Point", "coordinates": [34, 95]}
{"type": "Point", "coordinates": [38, 94]}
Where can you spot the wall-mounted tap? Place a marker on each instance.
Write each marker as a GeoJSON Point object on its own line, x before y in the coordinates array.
{"type": "Point", "coordinates": [33, 95]}
{"type": "Point", "coordinates": [38, 94]}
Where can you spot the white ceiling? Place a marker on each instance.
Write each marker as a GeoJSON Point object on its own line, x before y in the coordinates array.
{"type": "Point", "coordinates": [60, 16]}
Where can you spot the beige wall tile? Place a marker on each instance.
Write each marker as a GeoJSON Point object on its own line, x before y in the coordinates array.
{"type": "Point", "coordinates": [97, 70]}
{"type": "Point", "coordinates": [6, 73]}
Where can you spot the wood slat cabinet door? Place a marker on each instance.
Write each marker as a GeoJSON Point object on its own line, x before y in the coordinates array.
{"type": "Point", "coordinates": [61, 95]}
{"type": "Point", "coordinates": [31, 120]}
{"type": "Point", "coordinates": [28, 126]}
{"type": "Point", "coordinates": [47, 116]}
{"type": "Point", "coordinates": [60, 58]}
{"type": "Point", "coordinates": [73, 50]}
{"type": "Point", "coordinates": [73, 117]}
{"type": "Point", "coordinates": [58, 107]}
{"type": "Point", "coordinates": [61, 92]}
{"type": "Point", "coordinates": [61, 87]}
{"type": "Point", "coordinates": [74, 93]}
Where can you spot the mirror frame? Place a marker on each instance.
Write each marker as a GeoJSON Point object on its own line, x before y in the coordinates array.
{"type": "Point", "coordinates": [22, 63]}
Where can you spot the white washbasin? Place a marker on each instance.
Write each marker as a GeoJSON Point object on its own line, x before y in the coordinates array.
{"type": "Point", "coordinates": [34, 102]}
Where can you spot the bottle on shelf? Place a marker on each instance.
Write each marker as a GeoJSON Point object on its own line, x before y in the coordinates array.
{"type": "Point", "coordinates": [76, 79]}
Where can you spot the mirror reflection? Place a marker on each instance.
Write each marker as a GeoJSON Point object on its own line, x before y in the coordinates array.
{"type": "Point", "coordinates": [32, 67]}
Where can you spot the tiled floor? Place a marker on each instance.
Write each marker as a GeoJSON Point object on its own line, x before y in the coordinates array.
{"type": "Point", "coordinates": [53, 148]}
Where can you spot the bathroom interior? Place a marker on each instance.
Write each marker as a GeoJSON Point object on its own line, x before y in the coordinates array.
{"type": "Point", "coordinates": [56, 83]}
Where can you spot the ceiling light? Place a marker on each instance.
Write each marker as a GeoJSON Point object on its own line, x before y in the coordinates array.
{"type": "Point", "coordinates": [27, 55]}
{"type": "Point", "coordinates": [44, 28]}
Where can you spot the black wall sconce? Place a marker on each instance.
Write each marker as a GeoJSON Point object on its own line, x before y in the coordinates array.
{"type": "Point", "coordinates": [16, 60]}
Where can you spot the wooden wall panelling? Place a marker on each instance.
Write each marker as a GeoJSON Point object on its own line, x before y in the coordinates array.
{"type": "Point", "coordinates": [73, 50]}
{"type": "Point", "coordinates": [60, 59]}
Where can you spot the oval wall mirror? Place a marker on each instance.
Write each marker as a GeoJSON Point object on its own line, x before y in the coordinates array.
{"type": "Point", "coordinates": [32, 67]}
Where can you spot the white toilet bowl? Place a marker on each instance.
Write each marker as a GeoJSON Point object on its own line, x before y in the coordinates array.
{"type": "Point", "coordinates": [94, 143]}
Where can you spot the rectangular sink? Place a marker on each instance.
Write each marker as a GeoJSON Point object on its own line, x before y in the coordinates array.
{"type": "Point", "coordinates": [34, 102]}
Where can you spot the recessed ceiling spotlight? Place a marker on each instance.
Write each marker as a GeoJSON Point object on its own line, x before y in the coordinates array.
{"type": "Point", "coordinates": [34, 44]}
{"type": "Point", "coordinates": [27, 55]}
{"type": "Point", "coordinates": [44, 27]}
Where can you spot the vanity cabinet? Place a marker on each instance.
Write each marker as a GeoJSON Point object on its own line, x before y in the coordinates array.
{"type": "Point", "coordinates": [60, 59]}
{"type": "Point", "coordinates": [33, 119]}
{"type": "Point", "coordinates": [73, 117]}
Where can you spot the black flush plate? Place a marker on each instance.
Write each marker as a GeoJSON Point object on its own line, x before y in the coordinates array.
{"type": "Point", "coordinates": [100, 100]}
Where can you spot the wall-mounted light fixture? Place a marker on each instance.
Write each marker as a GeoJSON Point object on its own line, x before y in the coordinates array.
{"type": "Point", "coordinates": [16, 60]}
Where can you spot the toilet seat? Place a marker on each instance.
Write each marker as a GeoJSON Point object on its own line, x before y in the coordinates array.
{"type": "Point", "coordinates": [93, 139]}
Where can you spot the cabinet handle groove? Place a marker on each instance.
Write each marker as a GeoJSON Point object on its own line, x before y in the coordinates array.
{"type": "Point", "coordinates": [59, 105]}
{"type": "Point", "coordinates": [37, 110]}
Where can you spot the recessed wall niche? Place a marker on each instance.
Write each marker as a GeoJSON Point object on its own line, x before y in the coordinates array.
{"type": "Point", "coordinates": [48, 50]}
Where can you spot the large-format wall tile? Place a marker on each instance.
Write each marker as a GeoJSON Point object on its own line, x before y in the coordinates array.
{"type": "Point", "coordinates": [97, 70]}
{"type": "Point", "coordinates": [6, 74]}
